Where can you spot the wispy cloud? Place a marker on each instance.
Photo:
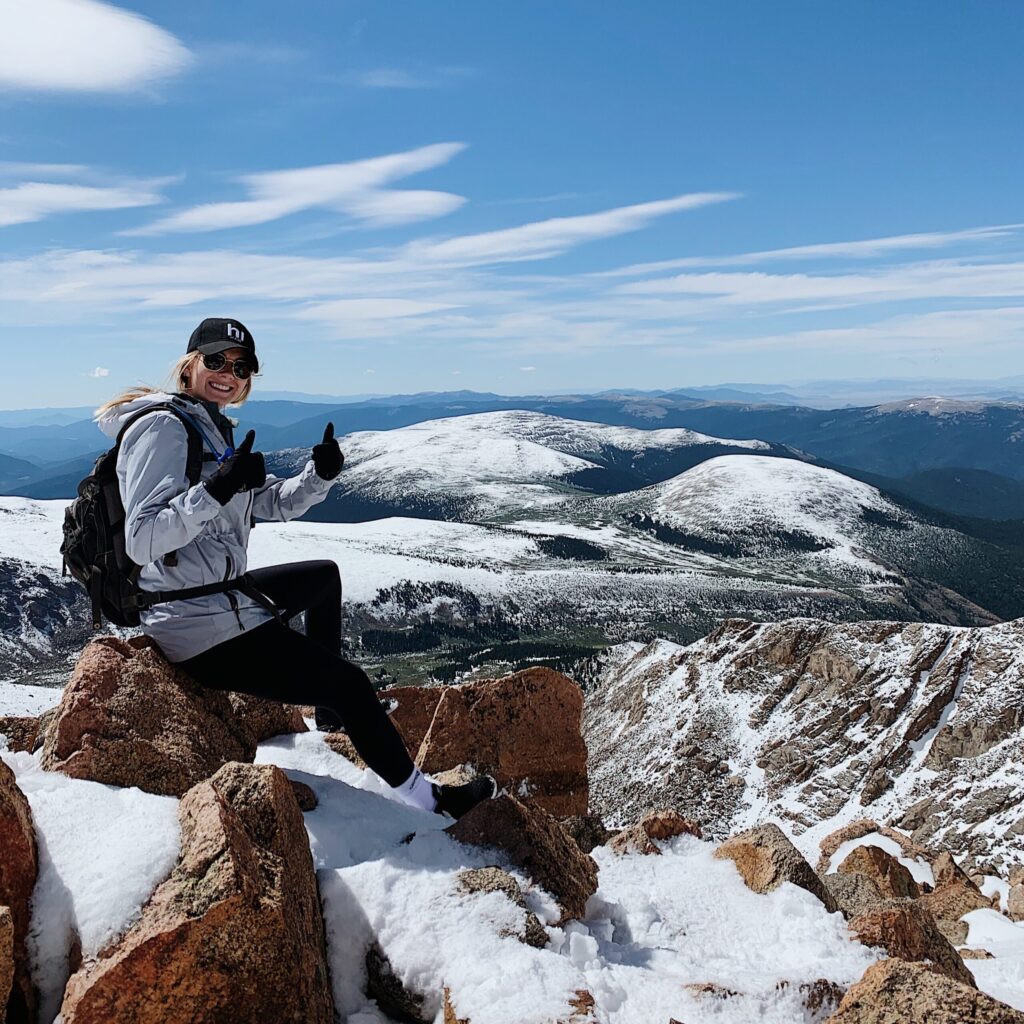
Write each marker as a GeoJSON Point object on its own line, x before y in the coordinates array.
{"type": "Point", "coordinates": [32, 201]}
{"type": "Point", "coordinates": [99, 371]}
{"type": "Point", "coordinates": [404, 78]}
{"type": "Point", "coordinates": [547, 238]}
{"type": "Point", "coordinates": [83, 46]}
{"type": "Point", "coordinates": [357, 189]}
{"type": "Point", "coordinates": [859, 249]}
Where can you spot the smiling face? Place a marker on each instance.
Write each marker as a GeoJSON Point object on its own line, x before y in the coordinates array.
{"type": "Point", "coordinates": [222, 386]}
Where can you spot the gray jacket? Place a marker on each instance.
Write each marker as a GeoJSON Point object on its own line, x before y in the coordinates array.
{"type": "Point", "coordinates": [163, 514]}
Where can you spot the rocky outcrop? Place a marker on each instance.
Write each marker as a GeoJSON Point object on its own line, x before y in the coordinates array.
{"type": "Point", "coordinates": [129, 718]}
{"type": "Point", "coordinates": [1015, 900]}
{"type": "Point", "coordinates": [829, 846]}
{"type": "Point", "coordinates": [19, 732]}
{"type": "Point", "coordinates": [948, 904]}
{"type": "Point", "coordinates": [266, 718]}
{"type": "Point", "coordinates": [19, 866]}
{"type": "Point", "coordinates": [908, 993]}
{"type": "Point", "coordinates": [235, 935]}
{"type": "Point", "coordinates": [919, 725]}
{"type": "Point", "coordinates": [391, 995]}
{"type": "Point", "coordinates": [523, 729]}
{"type": "Point", "coordinates": [588, 830]}
{"type": "Point", "coordinates": [907, 931]}
{"type": "Point", "coordinates": [532, 840]}
{"type": "Point", "coordinates": [658, 825]}
{"type": "Point", "coordinates": [765, 858]}
{"type": "Point", "coordinates": [6, 959]}
{"type": "Point", "coordinates": [854, 893]}
{"type": "Point", "coordinates": [494, 879]}
{"type": "Point", "coordinates": [894, 881]}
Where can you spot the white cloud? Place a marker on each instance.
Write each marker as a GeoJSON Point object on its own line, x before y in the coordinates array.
{"type": "Point", "coordinates": [356, 188]}
{"type": "Point", "coordinates": [82, 45]}
{"type": "Point", "coordinates": [341, 310]}
{"type": "Point", "coordinates": [551, 237]}
{"type": "Point", "coordinates": [99, 371]}
{"type": "Point", "coordinates": [369, 371]}
{"type": "Point", "coordinates": [528, 369]}
{"type": "Point", "coordinates": [861, 249]}
{"type": "Point", "coordinates": [35, 200]}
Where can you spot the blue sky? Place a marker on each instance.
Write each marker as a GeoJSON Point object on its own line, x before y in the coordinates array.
{"type": "Point", "coordinates": [523, 197]}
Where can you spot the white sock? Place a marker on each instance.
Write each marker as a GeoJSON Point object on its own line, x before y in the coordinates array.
{"type": "Point", "coordinates": [417, 791]}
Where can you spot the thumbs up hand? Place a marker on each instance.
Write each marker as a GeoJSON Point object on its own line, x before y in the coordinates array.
{"type": "Point", "coordinates": [327, 457]}
{"type": "Point", "coordinates": [242, 470]}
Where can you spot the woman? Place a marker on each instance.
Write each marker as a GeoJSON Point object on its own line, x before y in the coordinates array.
{"type": "Point", "coordinates": [190, 536]}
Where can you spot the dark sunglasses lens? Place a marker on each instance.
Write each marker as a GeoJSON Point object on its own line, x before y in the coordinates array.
{"type": "Point", "coordinates": [241, 370]}
{"type": "Point", "coordinates": [215, 361]}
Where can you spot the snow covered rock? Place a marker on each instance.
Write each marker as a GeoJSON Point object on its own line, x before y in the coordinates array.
{"type": "Point", "coordinates": [495, 879]}
{"type": "Point", "coordinates": [6, 959]}
{"type": "Point", "coordinates": [892, 878]}
{"type": "Point", "coordinates": [532, 840]}
{"type": "Point", "coordinates": [129, 718]}
{"type": "Point", "coordinates": [235, 935]}
{"type": "Point", "coordinates": [909, 993]}
{"type": "Point", "coordinates": [18, 870]}
{"type": "Point", "coordinates": [948, 904]}
{"type": "Point", "coordinates": [1015, 900]}
{"type": "Point", "coordinates": [267, 718]}
{"type": "Point", "coordinates": [765, 859]}
{"type": "Point", "coordinates": [524, 729]}
{"type": "Point", "coordinates": [639, 838]}
{"type": "Point", "coordinates": [905, 930]}
{"type": "Point", "coordinates": [921, 726]}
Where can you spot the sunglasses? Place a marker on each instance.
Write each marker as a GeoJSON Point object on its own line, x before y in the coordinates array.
{"type": "Point", "coordinates": [216, 361]}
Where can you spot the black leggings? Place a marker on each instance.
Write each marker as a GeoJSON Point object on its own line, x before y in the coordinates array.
{"type": "Point", "coordinates": [277, 663]}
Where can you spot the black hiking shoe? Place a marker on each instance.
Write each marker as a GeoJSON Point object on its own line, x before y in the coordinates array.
{"type": "Point", "coordinates": [328, 720]}
{"type": "Point", "coordinates": [455, 801]}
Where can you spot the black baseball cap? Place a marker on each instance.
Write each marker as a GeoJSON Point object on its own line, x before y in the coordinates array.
{"type": "Point", "coordinates": [215, 334]}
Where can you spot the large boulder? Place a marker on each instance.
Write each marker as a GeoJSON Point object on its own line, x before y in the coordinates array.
{"type": "Point", "coordinates": [18, 732]}
{"type": "Point", "coordinates": [897, 992]}
{"type": "Point", "coordinates": [766, 858]}
{"type": "Point", "coordinates": [950, 902]}
{"type": "Point", "coordinates": [267, 718]}
{"type": "Point", "coordinates": [235, 935]}
{"type": "Point", "coordinates": [19, 866]}
{"type": "Point", "coordinates": [524, 729]}
{"type": "Point", "coordinates": [412, 708]}
{"type": "Point", "coordinates": [495, 879]}
{"type": "Point", "coordinates": [892, 878]}
{"type": "Point", "coordinates": [905, 930]}
{"type": "Point", "coordinates": [853, 892]}
{"type": "Point", "coordinates": [532, 840]}
{"type": "Point", "coordinates": [129, 718]}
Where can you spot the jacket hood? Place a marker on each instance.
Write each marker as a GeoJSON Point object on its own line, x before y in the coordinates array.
{"type": "Point", "coordinates": [114, 419]}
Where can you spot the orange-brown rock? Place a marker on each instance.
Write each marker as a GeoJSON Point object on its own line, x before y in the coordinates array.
{"type": "Point", "coordinates": [18, 868]}
{"type": "Point", "coordinates": [892, 878]}
{"type": "Point", "coordinates": [6, 959]}
{"type": "Point", "coordinates": [533, 841]}
{"type": "Point", "coordinates": [1015, 899]}
{"type": "Point", "coordinates": [412, 709]}
{"type": "Point", "coordinates": [450, 1016]}
{"type": "Point", "coordinates": [524, 729]}
{"type": "Point", "coordinates": [266, 718]}
{"type": "Point", "coordinates": [946, 870]}
{"type": "Point", "coordinates": [235, 935]}
{"type": "Point", "coordinates": [904, 929]}
{"type": "Point", "coordinates": [766, 858]}
{"type": "Point", "coordinates": [864, 827]}
{"type": "Point", "coordinates": [853, 892]}
{"type": "Point", "coordinates": [129, 718]}
{"type": "Point", "coordinates": [658, 825]}
{"type": "Point", "coordinates": [305, 796]}
{"type": "Point", "coordinates": [896, 992]}
{"type": "Point", "coordinates": [948, 905]}
{"type": "Point", "coordinates": [340, 743]}
{"type": "Point", "coordinates": [20, 732]}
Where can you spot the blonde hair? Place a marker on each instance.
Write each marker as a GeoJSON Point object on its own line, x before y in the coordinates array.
{"type": "Point", "coordinates": [177, 380]}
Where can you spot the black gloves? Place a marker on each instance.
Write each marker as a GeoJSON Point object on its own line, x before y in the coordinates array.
{"type": "Point", "coordinates": [243, 470]}
{"type": "Point", "coordinates": [327, 457]}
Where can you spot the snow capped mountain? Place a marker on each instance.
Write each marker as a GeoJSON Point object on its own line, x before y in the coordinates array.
{"type": "Point", "coordinates": [491, 465]}
{"type": "Point", "coordinates": [919, 726]}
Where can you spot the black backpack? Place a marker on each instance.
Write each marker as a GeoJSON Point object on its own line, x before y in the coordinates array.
{"type": "Point", "coordinates": [94, 545]}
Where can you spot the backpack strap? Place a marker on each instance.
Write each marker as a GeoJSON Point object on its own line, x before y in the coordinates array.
{"type": "Point", "coordinates": [244, 583]}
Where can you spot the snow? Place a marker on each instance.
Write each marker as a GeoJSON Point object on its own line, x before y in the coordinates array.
{"type": "Point", "coordinates": [102, 852]}
{"type": "Point", "coordinates": [21, 700]}
{"type": "Point", "coordinates": [1003, 977]}
{"type": "Point", "coordinates": [993, 885]}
